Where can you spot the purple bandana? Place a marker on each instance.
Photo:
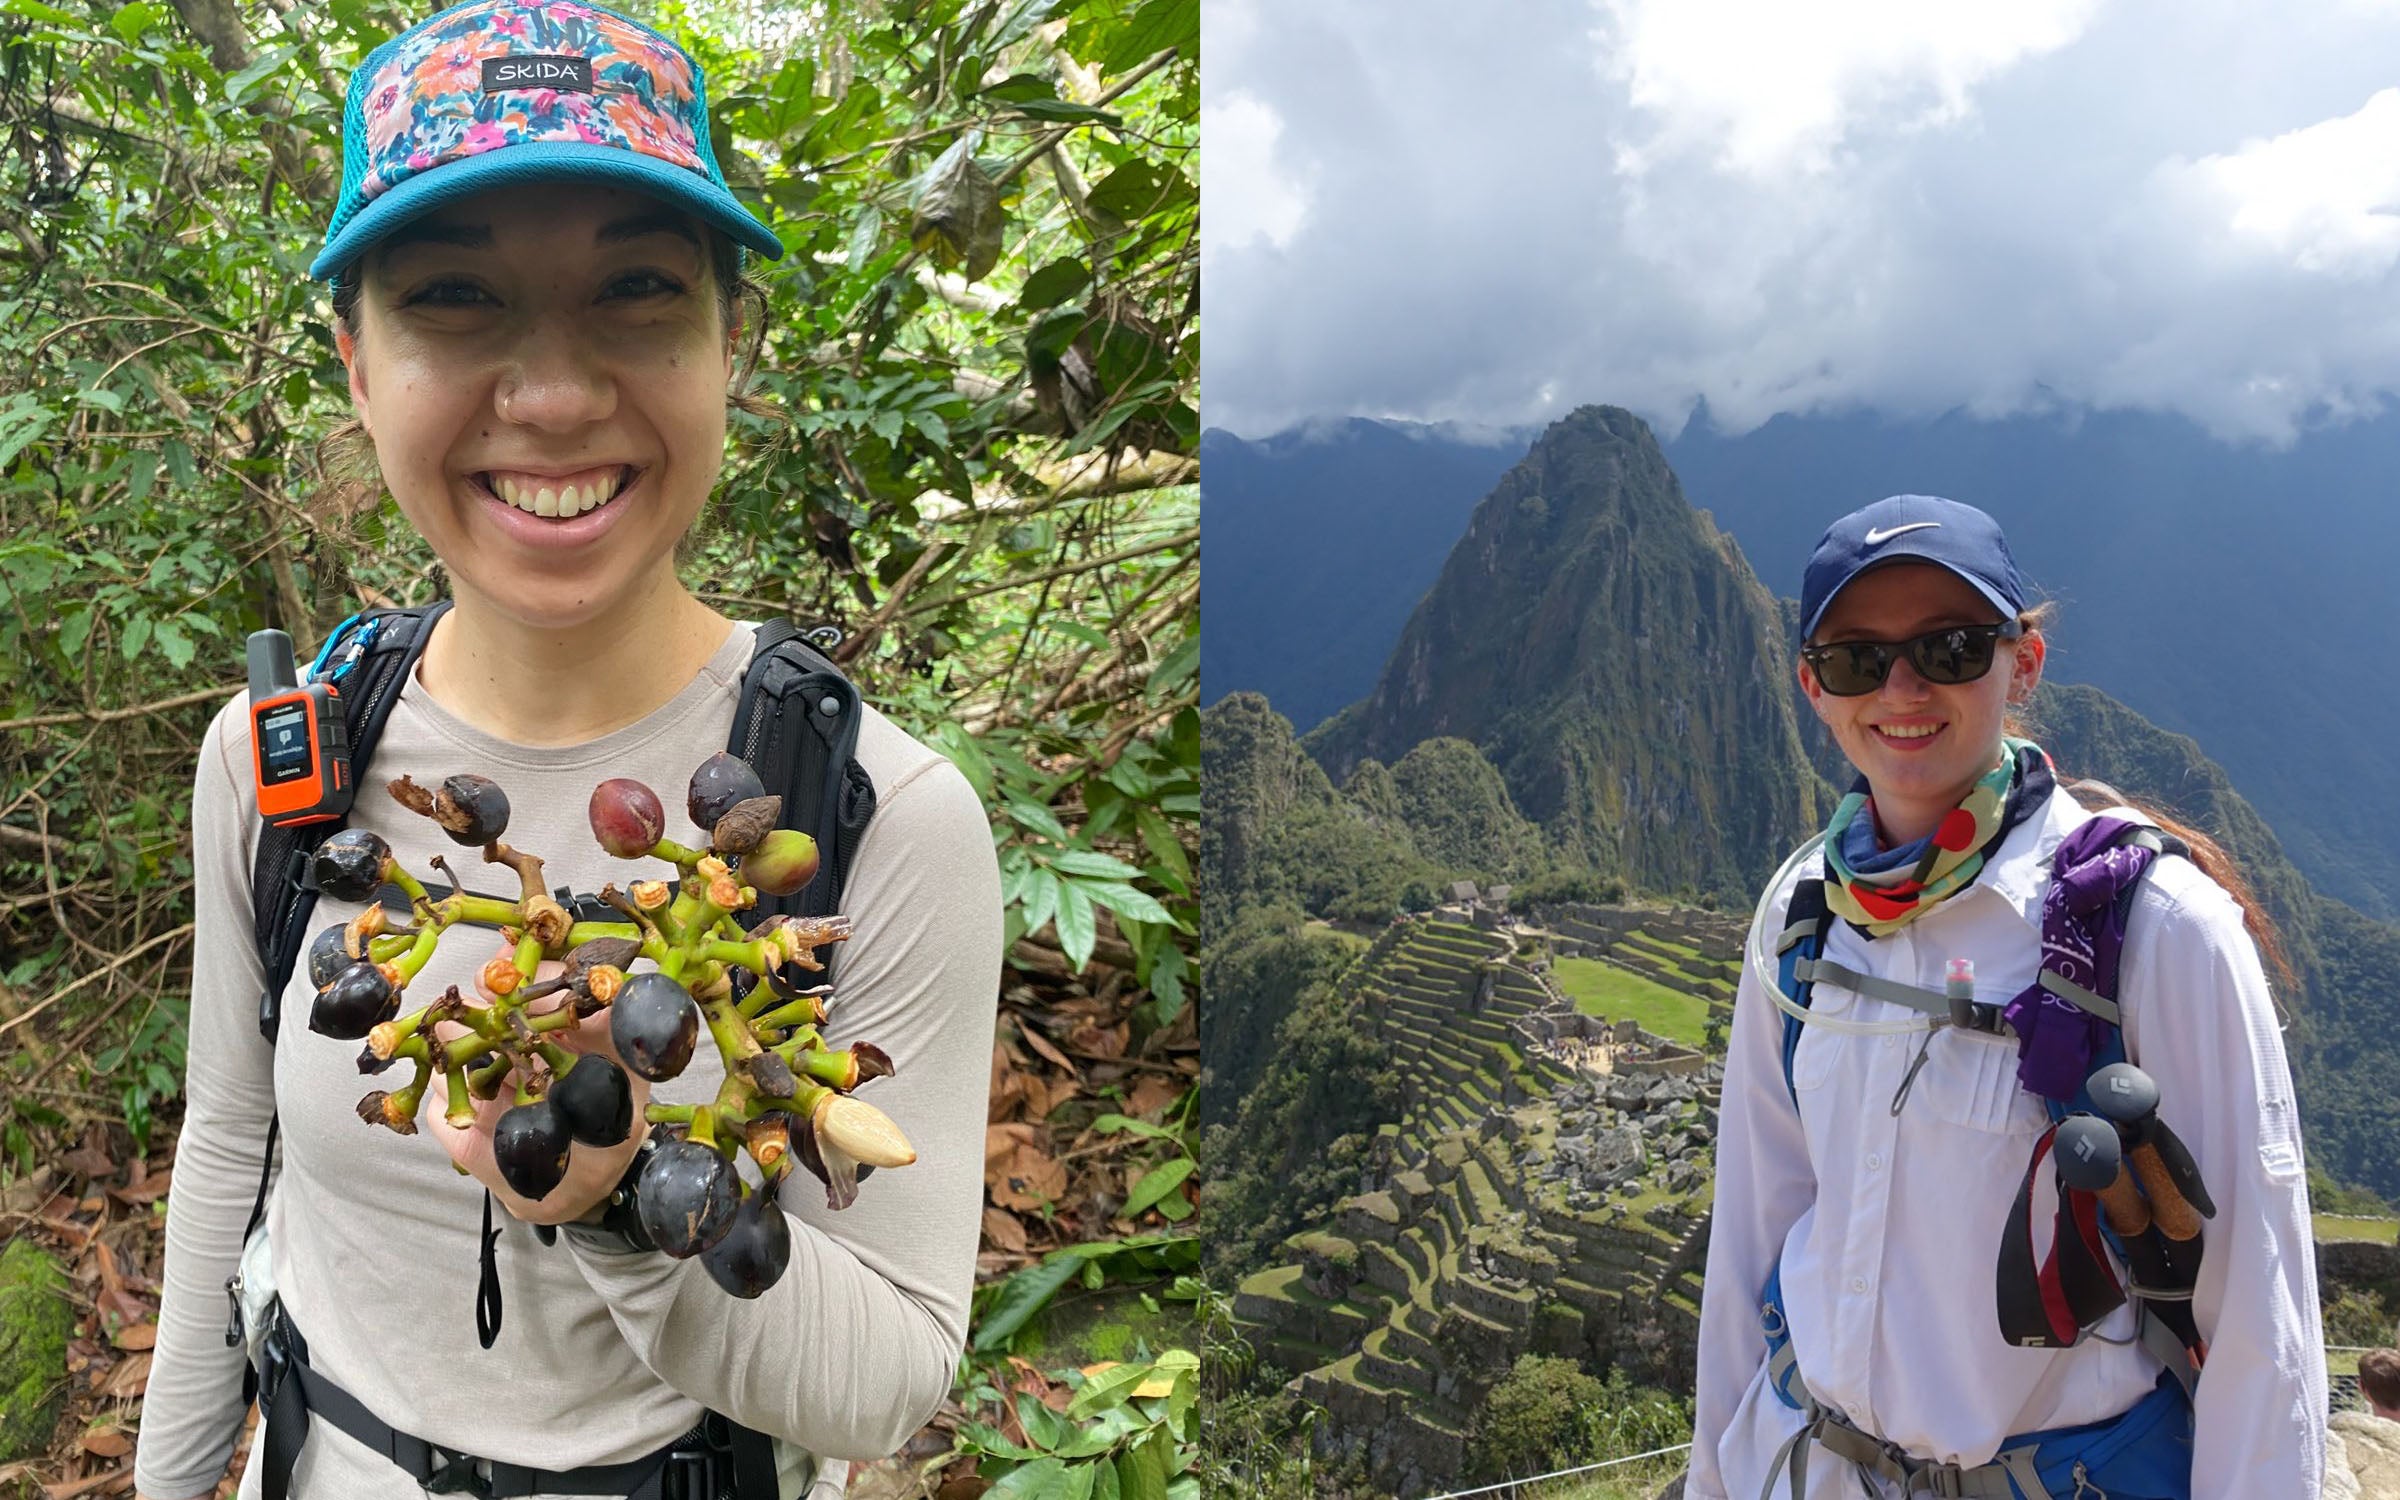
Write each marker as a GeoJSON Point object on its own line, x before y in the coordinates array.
{"type": "Point", "coordinates": [2083, 937]}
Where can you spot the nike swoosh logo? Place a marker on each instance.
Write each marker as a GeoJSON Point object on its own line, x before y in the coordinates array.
{"type": "Point", "coordinates": [1878, 538]}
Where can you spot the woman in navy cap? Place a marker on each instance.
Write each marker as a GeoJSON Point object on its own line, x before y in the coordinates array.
{"type": "Point", "coordinates": [1971, 975]}
{"type": "Point", "coordinates": [536, 272]}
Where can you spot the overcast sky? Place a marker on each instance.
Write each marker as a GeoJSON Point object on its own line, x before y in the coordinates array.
{"type": "Point", "coordinates": [1495, 212]}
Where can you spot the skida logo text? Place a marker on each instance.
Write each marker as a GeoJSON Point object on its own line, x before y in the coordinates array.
{"type": "Point", "coordinates": [573, 74]}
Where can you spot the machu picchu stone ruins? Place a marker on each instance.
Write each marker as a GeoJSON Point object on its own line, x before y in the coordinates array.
{"type": "Point", "coordinates": [1545, 1191]}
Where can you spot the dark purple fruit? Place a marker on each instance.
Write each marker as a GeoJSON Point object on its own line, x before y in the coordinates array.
{"type": "Point", "coordinates": [471, 809]}
{"type": "Point", "coordinates": [595, 1100]}
{"type": "Point", "coordinates": [349, 865]}
{"type": "Point", "coordinates": [655, 1025]}
{"type": "Point", "coordinates": [369, 1064]}
{"type": "Point", "coordinates": [530, 1145]}
{"type": "Point", "coordinates": [627, 817]}
{"type": "Point", "coordinates": [326, 956]}
{"type": "Point", "coordinates": [784, 861]}
{"type": "Point", "coordinates": [754, 1252]}
{"type": "Point", "coordinates": [722, 780]}
{"type": "Point", "coordinates": [687, 1197]}
{"type": "Point", "coordinates": [359, 1000]}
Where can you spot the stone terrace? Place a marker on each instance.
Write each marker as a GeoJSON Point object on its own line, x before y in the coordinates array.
{"type": "Point", "coordinates": [1520, 1205]}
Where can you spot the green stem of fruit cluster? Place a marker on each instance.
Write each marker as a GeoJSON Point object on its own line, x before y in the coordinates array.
{"type": "Point", "coordinates": [489, 910]}
{"type": "Point", "coordinates": [670, 1114]}
{"type": "Point", "coordinates": [409, 885]}
{"type": "Point", "coordinates": [420, 953]}
{"type": "Point", "coordinates": [751, 955]}
{"type": "Point", "coordinates": [676, 854]}
{"type": "Point", "coordinates": [390, 945]}
{"type": "Point", "coordinates": [583, 932]}
{"type": "Point", "coordinates": [414, 1095]}
{"type": "Point", "coordinates": [485, 1081]}
{"type": "Point", "coordinates": [801, 1012]}
{"type": "Point", "coordinates": [529, 955]}
{"type": "Point", "coordinates": [803, 1103]}
{"type": "Point", "coordinates": [704, 1127]}
{"type": "Point", "coordinates": [461, 1110]}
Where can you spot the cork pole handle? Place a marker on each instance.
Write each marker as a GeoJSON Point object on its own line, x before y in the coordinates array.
{"type": "Point", "coordinates": [2176, 1218]}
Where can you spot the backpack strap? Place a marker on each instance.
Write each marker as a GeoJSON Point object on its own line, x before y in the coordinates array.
{"type": "Point", "coordinates": [1806, 923]}
{"type": "Point", "coordinates": [798, 727]}
{"type": "Point", "coordinates": [381, 653]}
{"type": "Point", "coordinates": [2084, 913]}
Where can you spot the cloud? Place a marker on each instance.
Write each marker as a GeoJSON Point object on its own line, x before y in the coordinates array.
{"type": "Point", "coordinates": [1249, 195]}
{"type": "Point", "coordinates": [1777, 87]}
{"type": "Point", "coordinates": [2325, 199]}
{"type": "Point", "coordinates": [2182, 205]}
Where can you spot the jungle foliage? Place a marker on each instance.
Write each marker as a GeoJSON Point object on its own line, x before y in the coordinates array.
{"type": "Point", "coordinates": [982, 343]}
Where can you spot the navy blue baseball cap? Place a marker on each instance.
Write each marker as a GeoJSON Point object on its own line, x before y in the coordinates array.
{"type": "Point", "coordinates": [1912, 528]}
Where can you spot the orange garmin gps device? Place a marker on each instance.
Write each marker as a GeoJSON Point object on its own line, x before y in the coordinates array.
{"type": "Point", "coordinates": [299, 745]}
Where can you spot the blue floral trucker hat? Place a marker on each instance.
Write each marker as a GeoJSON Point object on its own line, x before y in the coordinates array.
{"type": "Point", "coordinates": [495, 92]}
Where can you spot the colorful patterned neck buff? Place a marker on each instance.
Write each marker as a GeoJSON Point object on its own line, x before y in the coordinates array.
{"type": "Point", "coordinates": [1882, 890]}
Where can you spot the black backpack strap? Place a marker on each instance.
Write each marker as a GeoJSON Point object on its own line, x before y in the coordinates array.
{"type": "Point", "coordinates": [797, 725]}
{"type": "Point", "coordinates": [281, 900]}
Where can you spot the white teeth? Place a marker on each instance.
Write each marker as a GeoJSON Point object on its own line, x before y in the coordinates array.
{"type": "Point", "coordinates": [558, 501]}
{"type": "Point", "coordinates": [1910, 732]}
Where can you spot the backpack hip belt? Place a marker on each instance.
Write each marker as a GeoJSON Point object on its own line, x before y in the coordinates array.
{"type": "Point", "coordinates": [2069, 1029]}
{"type": "Point", "coordinates": [714, 1459]}
{"type": "Point", "coordinates": [2144, 1450]}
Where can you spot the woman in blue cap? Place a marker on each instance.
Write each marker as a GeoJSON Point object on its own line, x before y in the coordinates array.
{"type": "Point", "coordinates": [535, 265]}
{"type": "Point", "coordinates": [1973, 973]}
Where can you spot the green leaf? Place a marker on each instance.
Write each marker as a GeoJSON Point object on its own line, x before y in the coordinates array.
{"type": "Point", "coordinates": [1158, 25]}
{"type": "Point", "coordinates": [1043, 1479]}
{"type": "Point", "coordinates": [1164, 847]}
{"type": "Point", "coordinates": [34, 10]}
{"type": "Point", "coordinates": [1020, 1297]}
{"type": "Point", "coordinates": [865, 235]}
{"type": "Point", "coordinates": [1016, 88]}
{"type": "Point", "coordinates": [1130, 191]}
{"type": "Point", "coordinates": [1068, 111]}
{"type": "Point", "coordinates": [1044, 1428]}
{"type": "Point", "coordinates": [239, 85]}
{"type": "Point", "coordinates": [134, 19]}
{"type": "Point", "coordinates": [1157, 1183]}
{"type": "Point", "coordinates": [176, 645]}
{"type": "Point", "coordinates": [1125, 901]}
{"type": "Point", "coordinates": [179, 464]}
{"type": "Point", "coordinates": [1094, 863]}
{"type": "Point", "coordinates": [1041, 898]}
{"type": "Point", "coordinates": [137, 635]}
{"type": "Point", "coordinates": [1077, 926]}
{"type": "Point", "coordinates": [1142, 1470]}
{"type": "Point", "coordinates": [1034, 816]}
{"type": "Point", "coordinates": [140, 474]}
{"type": "Point", "coordinates": [1109, 1124]}
{"type": "Point", "coordinates": [1108, 1388]}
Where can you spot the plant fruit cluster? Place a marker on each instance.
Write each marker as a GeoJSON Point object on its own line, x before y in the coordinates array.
{"type": "Point", "coordinates": [787, 1097]}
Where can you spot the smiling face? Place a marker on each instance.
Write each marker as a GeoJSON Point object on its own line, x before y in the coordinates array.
{"type": "Point", "coordinates": [543, 371]}
{"type": "Point", "coordinates": [1920, 745]}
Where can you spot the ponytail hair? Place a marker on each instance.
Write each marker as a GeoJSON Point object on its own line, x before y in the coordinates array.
{"type": "Point", "coordinates": [2205, 852]}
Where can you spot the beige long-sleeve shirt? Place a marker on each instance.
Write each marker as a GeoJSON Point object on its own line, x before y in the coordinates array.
{"type": "Point", "coordinates": [602, 1357]}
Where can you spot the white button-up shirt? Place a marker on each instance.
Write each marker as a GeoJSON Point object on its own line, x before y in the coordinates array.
{"type": "Point", "coordinates": [1888, 1228]}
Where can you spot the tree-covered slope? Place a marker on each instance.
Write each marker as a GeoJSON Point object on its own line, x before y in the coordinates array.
{"type": "Point", "coordinates": [1613, 656]}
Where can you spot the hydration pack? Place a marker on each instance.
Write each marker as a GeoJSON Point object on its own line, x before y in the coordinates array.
{"type": "Point", "coordinates": [2070, 1034]}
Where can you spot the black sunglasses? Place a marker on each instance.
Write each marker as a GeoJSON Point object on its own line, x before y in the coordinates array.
{"type": "Point", "coordinates": [1948, 656]}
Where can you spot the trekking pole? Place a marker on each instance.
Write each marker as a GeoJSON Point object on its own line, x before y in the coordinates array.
{"type": "Point", "coordinates": [2128, 1097]}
